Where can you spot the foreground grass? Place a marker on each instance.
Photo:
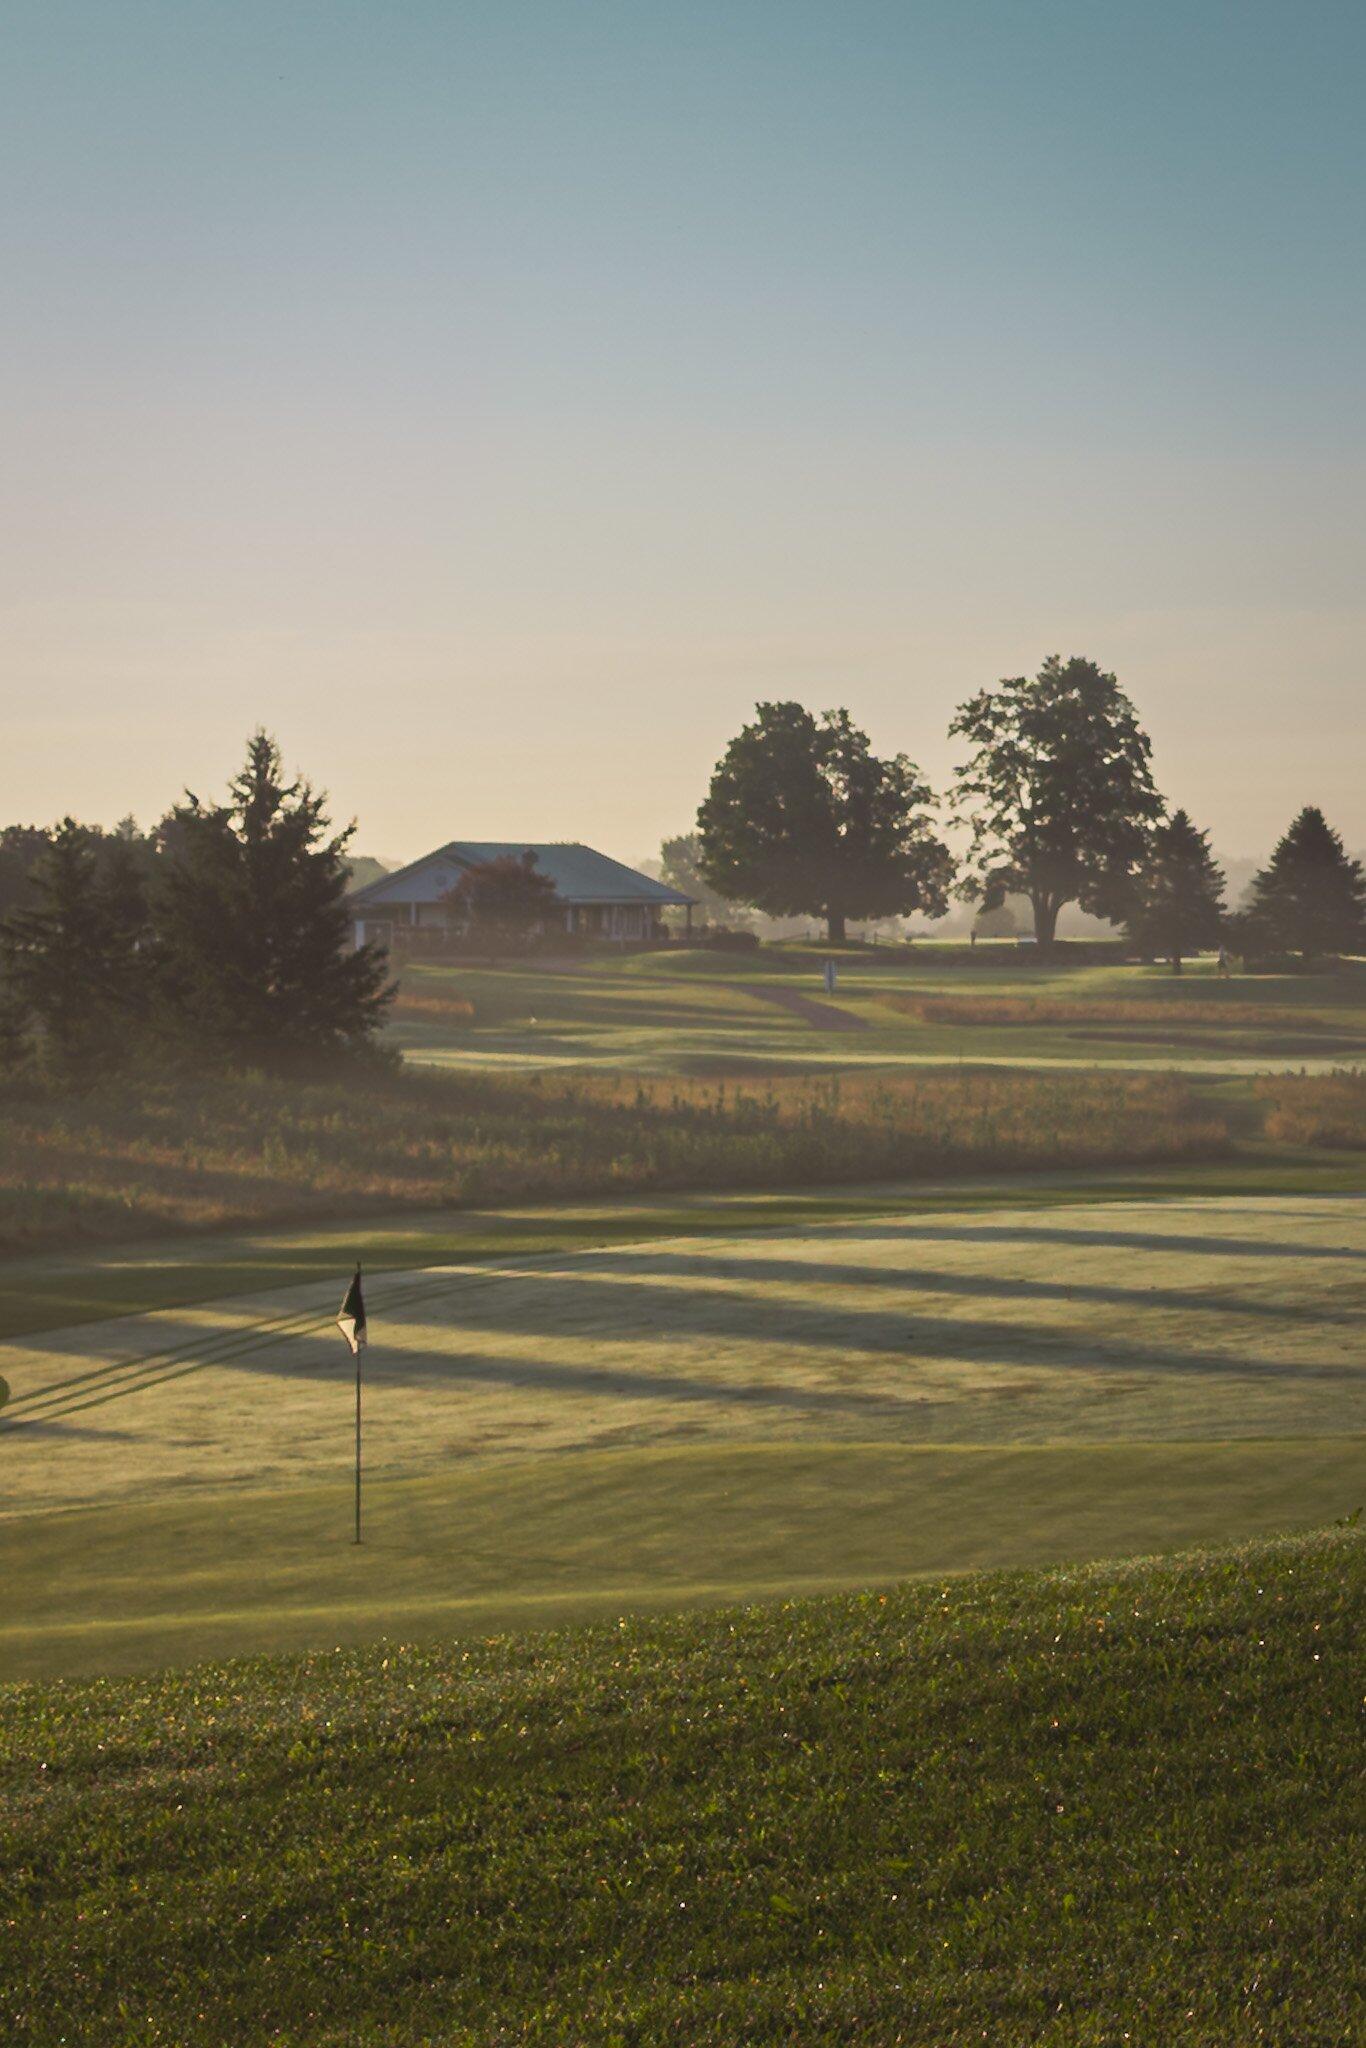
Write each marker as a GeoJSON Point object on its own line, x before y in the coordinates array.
{"type": "Point", "coordinates": [1104, 1805]}
{"type": "Point", "coordinates": [207, 1572]}
{"type": "Point", "coordinates": [212, 1153]}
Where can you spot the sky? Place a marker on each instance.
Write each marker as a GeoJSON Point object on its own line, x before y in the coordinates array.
{"type": "Point", "coordinates": [496, 400]}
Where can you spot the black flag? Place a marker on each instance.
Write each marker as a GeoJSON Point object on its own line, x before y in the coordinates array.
{"type": "Point", "coordinates": [351, 1315]}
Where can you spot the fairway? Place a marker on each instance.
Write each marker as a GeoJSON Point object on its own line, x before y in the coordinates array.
{"type": "Point", "coordinates": [700, 1012]}
{"type": "Point", "coordinates": [695, 1417]}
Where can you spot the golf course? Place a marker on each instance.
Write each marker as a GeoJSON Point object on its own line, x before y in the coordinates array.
{"type": "Point", "coordinates": [858, 1518]}
{"type": "Point", "coordinates": [929, 1004]}
{"type": "Point", "coordinates": [613, 1403]}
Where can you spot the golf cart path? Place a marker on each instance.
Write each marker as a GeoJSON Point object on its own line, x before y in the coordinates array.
{"type": "Point", "coordinates": [821, 1016]}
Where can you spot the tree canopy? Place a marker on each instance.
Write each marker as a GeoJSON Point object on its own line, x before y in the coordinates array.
{"type": "Point", "coordinates": [68, 958]}
{"type": "Point", "coordinates": [1057, 789]}
{"type": "Point", "coordinates": [803, 819]}
{"type": "Point", "coordinates": [1310, 898]}
{"type": "Point", "coordinates": [680, 865]}
{"type": "Point", "coordinates": [505, 901]}
{"type": "Point", "coordinates": [1177, 906]}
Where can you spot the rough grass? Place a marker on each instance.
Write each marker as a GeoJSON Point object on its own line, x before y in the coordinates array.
{"type": "Point", "coordinates": [1316, 1109]}
{"type": "Point", "coordinates": [418, 1005]}
{"type": "Point", "coordinates": [975, 1008]}
{"type": "Point", "coordinates": [163, 1153]}
{"type": "Point", "coordinates": [1089, 1807]}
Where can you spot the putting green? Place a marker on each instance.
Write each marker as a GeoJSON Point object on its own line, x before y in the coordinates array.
{"type": "Point", "coordinates": [548, 1541]}
{"type": "Point", "coordinates": [566, 1426]}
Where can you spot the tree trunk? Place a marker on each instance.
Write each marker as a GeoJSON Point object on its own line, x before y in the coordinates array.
{"type": "Point", "coordinates": [834, 927]}
{"type": "Point", "coordinates": [1045, 922]}
{"type": "Point", "coordinates": [1176, 963]}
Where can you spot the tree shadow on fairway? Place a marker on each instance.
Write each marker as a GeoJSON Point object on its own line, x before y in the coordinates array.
{"type": "Point", "coordinates": [933, 1280]}
{"type": "Point", "coordinates": [552, 1305]}
{"type": "Point", "coordinates": [1201, 1245]}
{"type": "Point", "coordinates": [667, 1307]}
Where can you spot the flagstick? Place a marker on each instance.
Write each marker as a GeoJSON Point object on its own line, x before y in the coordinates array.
{"type": "Point", "coordinates": [357, 1534]}
{"type": "Point", "coordinates": [351, 1323]}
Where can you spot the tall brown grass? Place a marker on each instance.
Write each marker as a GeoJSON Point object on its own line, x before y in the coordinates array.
{"type": "Point", "coordinates": [1000, 1009]}
{"type": "Point", "coordinates": [1316, 1109]}
{"type": "Point", "coordinates": [177, 1153]}
{"type": "Point", "coordinates": [416, 1006]}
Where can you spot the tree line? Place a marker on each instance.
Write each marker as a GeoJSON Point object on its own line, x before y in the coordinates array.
{"type": "Point", "coordinates": [1057, 795]}
{"type": "Point", "coordinates": [223, 934]}
{"type": "Point", "coordinates": [220, 937]}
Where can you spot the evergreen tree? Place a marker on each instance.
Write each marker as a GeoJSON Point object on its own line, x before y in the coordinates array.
{"type": "Point", "coordinates": [802, 818]}
{"type": "Point", "coordinates": [67, 965]}
{"type": "Point", "coordinates": [1057, 790]}
{"type": "Point", "coordinates": [1177, 907]}
{"type": "Point", "coordinates": [1311, 898]}
{"type": "Point", "coordinates": [21, 848]}
{"type": "Point", "coordinates": [252, 925]}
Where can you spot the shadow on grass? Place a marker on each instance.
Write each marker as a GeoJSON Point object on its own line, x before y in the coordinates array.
{"type": "Point", "coordinates": [1095, 1240]}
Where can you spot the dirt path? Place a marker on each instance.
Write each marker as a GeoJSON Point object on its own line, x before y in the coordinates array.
{"type": "Point", "coordinates": [820, 1016]}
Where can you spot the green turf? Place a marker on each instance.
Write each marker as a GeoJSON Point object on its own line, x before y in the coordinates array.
{"type": "Point", "coordinates": [46, 1291]}
{"type": "Point", "coordinates": [698, 1012]}
{"type": "Point", "coordinates": [1101, 1806]}
{"type": "Point", "coordinates": [565, 1426]}
{"type": "Point", "coordinates": [211, 1574]}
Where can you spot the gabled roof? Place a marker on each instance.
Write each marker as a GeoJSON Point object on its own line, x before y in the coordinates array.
{"type": "Point", "coordinates": [579, 873]}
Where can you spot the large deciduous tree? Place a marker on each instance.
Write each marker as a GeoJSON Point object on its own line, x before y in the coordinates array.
{"type": "Point", "coordinates": [1310, 899]}
{"type": "Point", "coordinates": [1057, 789]}
{"type": "Point", "coordinates": [680, 865]}
{"type": "Point", "coordinates": [803, 819]}
{"type": "Point", "coordinates": [253, 927]}
{"type": "Point", "coordinates": [1177, 906]}
{"type": "Point", "coordinates": [504, 902]}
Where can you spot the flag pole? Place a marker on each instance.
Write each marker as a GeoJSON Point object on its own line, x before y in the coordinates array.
{"type": "Point", "coordinates": [356, 1538]}
{"type": "Point", "coordinates": [351, 1323]}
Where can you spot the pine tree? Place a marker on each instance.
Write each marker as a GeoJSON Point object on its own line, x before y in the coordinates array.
{"type": "Point", "coordinates": [67, 965]}
{"type": "Point", "coordinates": [1178, 894]}
{"type": "Point", "coordinates": [252, 923]}
{"type": "Point", "coordinates": [1311, 898]}
{"type": "Point", "coordinates": [122, 871]}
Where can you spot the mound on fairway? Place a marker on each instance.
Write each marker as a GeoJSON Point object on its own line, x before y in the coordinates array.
{"type": "Point", "coordinates": [1107, 1805]}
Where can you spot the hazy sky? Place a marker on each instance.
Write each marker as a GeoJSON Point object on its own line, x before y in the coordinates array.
{"type": "Point", "coordinates": [494, 400]}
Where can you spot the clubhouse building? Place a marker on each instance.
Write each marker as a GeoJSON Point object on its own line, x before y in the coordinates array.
{"type": "Point", "coordinates": [597, 897]}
